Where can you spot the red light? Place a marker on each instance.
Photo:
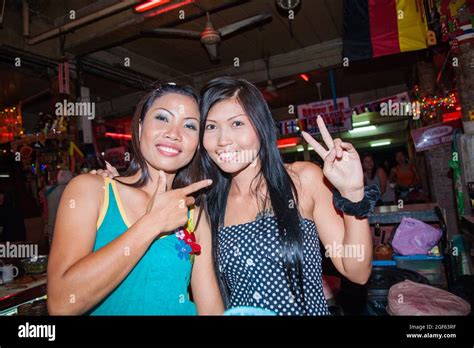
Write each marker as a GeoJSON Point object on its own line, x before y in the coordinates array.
{"type": "Point", "coordinates": [458, 108]}
{"type": "Point", "coordinates": [451, 116]}
{"type": "Point", "coordinates": [305, 77]}
{"type": "Point", "coordinates": [286, 145]}
{"type": "Point", "coordinates": [5, 297]}
{"type": "Point", "coordinates": [118, 135]}
{"type": "Point", "coordinates": [149, 5]}
{"type": "Point", "coordinates": [287, 142]}
{"type": "Point", "coordinates": [168, 8]}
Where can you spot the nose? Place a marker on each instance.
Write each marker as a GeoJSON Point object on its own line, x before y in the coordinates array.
{"type": "Point", "coordinates": [223, 138]}
{"type": "Point", "coordinates": [173, 132]}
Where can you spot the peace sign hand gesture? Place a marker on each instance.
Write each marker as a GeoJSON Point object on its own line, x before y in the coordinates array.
{"type": "Point", "coordinates": [342, 166]}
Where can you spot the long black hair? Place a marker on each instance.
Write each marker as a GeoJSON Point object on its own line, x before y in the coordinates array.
{"type": "Point", "coordinates": [280, 195]}
{"type": "Point", "coordinates": [184, 175]}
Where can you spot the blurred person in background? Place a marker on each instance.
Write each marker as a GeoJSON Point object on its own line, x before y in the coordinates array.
{"type": "Point", "coordinates": [377, 176]}
{"type": "Point", "coordinates": [408, 184]}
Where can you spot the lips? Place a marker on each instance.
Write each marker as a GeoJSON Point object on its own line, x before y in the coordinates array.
{"type": "Point", "coordinates": [168, 150]}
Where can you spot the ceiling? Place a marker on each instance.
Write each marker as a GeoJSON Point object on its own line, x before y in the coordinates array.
{"type": "Point", "coordinates": [110, 40]}
{"type": "Point", "coordinates": [317, 21]}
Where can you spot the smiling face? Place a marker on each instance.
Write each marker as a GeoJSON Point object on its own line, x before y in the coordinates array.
{"type": "Point", "coordinates": [169, 132]}
{"type": "Point", "coordinates": [230, 138]}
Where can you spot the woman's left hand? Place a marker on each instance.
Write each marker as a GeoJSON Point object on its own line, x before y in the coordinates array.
{"type": "Point", "coordinates": [342, 166]}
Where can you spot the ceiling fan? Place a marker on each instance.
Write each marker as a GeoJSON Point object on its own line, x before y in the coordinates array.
{"type": "Point", "coordinates": [210, 37]}
{"type": "Point", "coordinates": [271, 90]}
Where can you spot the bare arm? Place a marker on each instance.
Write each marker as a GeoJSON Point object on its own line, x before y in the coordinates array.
{"type": "Point", "coordinates": [343, 170]}
{"type": "Point", "coordinates": [79, 278]}
{"type": "Point", "coordinates": [347, 233]}
{"type": "Point", "coordinates": [206, 293]}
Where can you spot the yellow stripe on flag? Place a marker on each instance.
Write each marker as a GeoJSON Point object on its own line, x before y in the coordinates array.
{"type": "Point", "coordinates": [412, 26]}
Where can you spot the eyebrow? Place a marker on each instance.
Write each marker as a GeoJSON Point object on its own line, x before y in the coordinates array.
{"type": "Point", "coordinates": [192, 118]}
{"type": "Point", "coordinates": [230, 118]}
{"type": "Point", "coordinates": [164, 109]}
{"type": "Point", "coordinates": [172, 114]}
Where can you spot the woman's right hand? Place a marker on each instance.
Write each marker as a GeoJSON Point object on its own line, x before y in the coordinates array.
{"type": "Point", "coordinates": [109, 172]}
{"type": "Point", "coordinates": [168, 210]}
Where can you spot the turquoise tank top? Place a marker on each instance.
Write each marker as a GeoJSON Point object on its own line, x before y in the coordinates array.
{"type": "Point", "coordinates": [158, 284]}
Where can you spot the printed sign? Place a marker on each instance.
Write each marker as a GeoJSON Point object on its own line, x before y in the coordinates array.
{"type": "Point", "coordinates": [337, 119]}
{"type": "Point", "coordinates": [374, 106]}
{"type": "Point", "coordinates": [435, 135]}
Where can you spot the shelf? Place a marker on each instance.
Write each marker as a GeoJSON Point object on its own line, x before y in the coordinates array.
{"type": "Point", "coordinates": [393, 214]}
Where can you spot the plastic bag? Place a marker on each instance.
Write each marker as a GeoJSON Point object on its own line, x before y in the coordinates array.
{"type": "Point", "coordinates": [410, 298]}
{"type": "Point", "coordinates": [415, 237]}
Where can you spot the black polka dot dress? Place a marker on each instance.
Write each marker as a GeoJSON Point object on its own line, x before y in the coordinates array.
{"type": "Point", "coordinates": [251, 266]}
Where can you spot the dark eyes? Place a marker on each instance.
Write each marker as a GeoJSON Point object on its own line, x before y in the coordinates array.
{"type": "Point", "coordinates": [191, 126]}
{"type": "Point", "coordinates": [165, 119]}
{"type": "Point", "coordinates": [235, 124]}
{"type": "Point", "coordinates": [161, 118]}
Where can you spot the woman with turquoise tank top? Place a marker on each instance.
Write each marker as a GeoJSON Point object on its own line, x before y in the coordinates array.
{"type": "Point", "coordinates": [267, 217]}
{"type": "Point", "coordinates": [130, 245]}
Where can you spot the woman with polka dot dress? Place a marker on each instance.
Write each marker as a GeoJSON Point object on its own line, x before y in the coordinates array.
{"type": "Point", "coordinates": [267, 217]}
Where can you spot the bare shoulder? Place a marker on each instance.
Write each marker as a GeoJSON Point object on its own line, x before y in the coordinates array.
{"type": "Point", "coordinates": [308, 173]}
{"type": "Point", "coordinates": [89, 185]}
{"type": "Point", "coordinates": [308, 178]}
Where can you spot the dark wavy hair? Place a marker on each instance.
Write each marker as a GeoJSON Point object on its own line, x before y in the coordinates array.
{"type": "Point", "coordinates": [281, 194]}
{"type": "Point", "coordinates": [184, 175]}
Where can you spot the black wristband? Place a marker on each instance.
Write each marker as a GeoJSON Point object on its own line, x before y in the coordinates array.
{"type": "Point", "coordinates": [361, 208]}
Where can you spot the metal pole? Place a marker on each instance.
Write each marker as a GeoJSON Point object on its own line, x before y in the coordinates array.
{"type": "Point", "coordinates": [105, 12]}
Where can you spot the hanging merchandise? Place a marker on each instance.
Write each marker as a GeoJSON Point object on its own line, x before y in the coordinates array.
{"type": "Point", "coordinates": [456, 18]}
{"type": "Point", "coordinates": [75, 154]}
{"type": "Point", "coordinates": [63, 78]}
{"type": "Point", "coordinates": [49, 124]}
{"type": "Point", "coordinates": [454, 164]}
{"type": "Point", "coordinates": [59, 125]}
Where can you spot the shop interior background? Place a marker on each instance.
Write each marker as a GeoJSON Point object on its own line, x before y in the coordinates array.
{"type": "Point", "coordinates": [305, 60]}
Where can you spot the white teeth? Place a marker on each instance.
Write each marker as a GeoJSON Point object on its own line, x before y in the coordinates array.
{"type": "Point", "coordinates": [227, 155]}
{"type": "Point", "coordinates": [168, 149]}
